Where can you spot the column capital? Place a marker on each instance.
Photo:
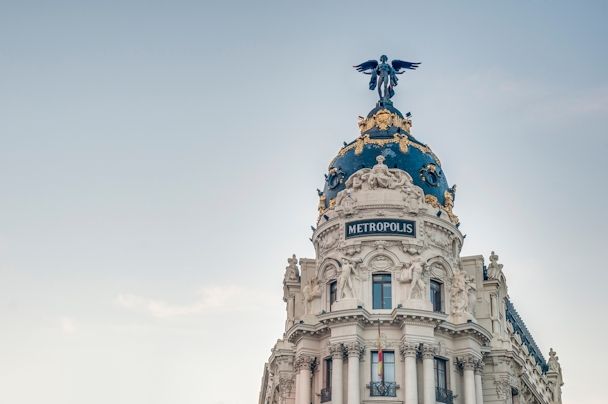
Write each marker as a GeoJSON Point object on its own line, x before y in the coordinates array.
{"type": "Point", "coordinates": [354, 348]}
{"type": "Point", "coordinates": [428, 351]}
{"type": "Point", "coordinates": [466, 362]}
{"type": "Point", "coordinates": [336, 350]}
{"type": "Point", "coordinates": [479, 366]}
{"type": "Point", "coordinates": [409, 349]}
{"type": "Point", "coordinates": [304, 362]}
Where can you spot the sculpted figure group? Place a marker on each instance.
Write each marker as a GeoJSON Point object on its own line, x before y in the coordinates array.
{"type": "Point", "coordinates": [464, 294]}
{"type": "Point", "coordinates": [382, 177]}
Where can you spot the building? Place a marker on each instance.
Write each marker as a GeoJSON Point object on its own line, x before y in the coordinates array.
{"type": "Point", "coordinates": [388, 311]}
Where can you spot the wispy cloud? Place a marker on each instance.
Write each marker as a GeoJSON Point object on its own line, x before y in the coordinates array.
{"type": "Point", "coordinates": [226, 298]}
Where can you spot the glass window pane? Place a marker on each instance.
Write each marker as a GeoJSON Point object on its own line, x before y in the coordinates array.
{"type": "Point", "coordinates": [377, 296]}
{"type": "Point", "coordinates": [387, 296]}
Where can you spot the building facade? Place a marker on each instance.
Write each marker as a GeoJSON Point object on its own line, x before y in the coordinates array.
{"type": "Point", "coordinates": [389, 289]}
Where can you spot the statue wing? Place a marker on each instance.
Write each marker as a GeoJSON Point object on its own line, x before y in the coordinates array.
{"type": "Point", "coordinates": [369, 65]}
{"type": "Point", "coordinates": [400, 64]}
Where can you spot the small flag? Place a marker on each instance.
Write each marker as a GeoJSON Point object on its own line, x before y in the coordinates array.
{"type": "Point", "coordinates": [380, 356]}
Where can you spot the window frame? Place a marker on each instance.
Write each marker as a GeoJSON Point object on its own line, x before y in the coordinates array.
{"type": "Point", "coordinates": [440, 292]}
{"type": "Point", "coordinates": [329, 364]}
{"type": "Point", "coordinates": [387, 281]}
{"type": "Point", "coordinates": [376, 363]}
{"type": "Point", "coordinates": [332, 293]}
{"type": "Point", "coordinates": [445, 372]}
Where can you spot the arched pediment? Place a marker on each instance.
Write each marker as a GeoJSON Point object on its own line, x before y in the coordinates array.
{"type": "Point", "coordinates": [381, 260]}
{"type": "Point", "coordinates": [328, 269]}
{"type": "Point", "coordinates": [440, 268]}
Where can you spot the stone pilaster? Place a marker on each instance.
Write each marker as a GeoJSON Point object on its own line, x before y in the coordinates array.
{"type": "Point", "coordinates": [303, 365]}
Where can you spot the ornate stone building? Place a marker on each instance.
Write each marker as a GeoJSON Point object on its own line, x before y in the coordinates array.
{"type": "Point", "coordinates": [388, 272]}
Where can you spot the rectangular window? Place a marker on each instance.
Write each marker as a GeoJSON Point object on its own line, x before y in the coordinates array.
{"type": "Point", "coordinates": [333, 293]}
{"type": "Point", "coordinates": [382, 291]}
{"type": "Point", "coordinates": [441, 380]}
{"type": "Point", "coordinates": [436, 296]}
{"type": "Point", "coordinates": [328, 372]}
{"type": "Point", "coordinates": [389, 367]}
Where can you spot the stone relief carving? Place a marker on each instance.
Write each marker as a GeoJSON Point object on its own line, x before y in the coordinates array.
{"type": "Point", "coordinates": [286, 383]}
{"type": "Point", "coordinates": [381, 263]}
{"type": "Point", "coordinates": [409, 349]}
{"type": "Point", "coordinates": [503, 389]}
{"type": "Point", "coordinates": [304, 362]}
{"type": "Point", "coordinates": [336, 350]}
{"type": "Point", "coordinates": [413, 273]}
{"type": "Point", "coordinates": [468, 362]}
{"type": "Point", "coordinates": [292, 273]}
{"type": "Point", "coordinates": [310, 295]}
{"type": "Point", "coordinates": [348, 279]}
{"type": "Point", "coordinates": [428, 351]}
{"type": "Point", "coordinates": [461, 289]}
{"type": "Point", "coordinates": [494, 269]}
{"type": "Point", "coordinates": [328, 239]}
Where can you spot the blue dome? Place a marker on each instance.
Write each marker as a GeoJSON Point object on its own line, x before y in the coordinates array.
{"type": "Point", "coordinates": [386, 132]}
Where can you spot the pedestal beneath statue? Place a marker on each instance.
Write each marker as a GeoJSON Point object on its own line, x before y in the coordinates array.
{"type": "Point", "coordinates": [417, 304]}
{"type": "Point", "coordinates": [346, 304]}
{"type": "Point", "coordinates": [309, 319]}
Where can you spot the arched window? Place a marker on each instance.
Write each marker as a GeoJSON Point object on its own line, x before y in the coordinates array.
{"type": "Point", "coordinates": [436, 296]}
{"type": "Point", "coordinates": [382, 291]}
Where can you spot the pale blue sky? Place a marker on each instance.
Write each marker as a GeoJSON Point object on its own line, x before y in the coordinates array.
{"type": "Point", "coordinates": [159, 163]}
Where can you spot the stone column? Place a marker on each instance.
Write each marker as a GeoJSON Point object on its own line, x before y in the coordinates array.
{"type": "Point", "coordinates": [409, 351]}
{"type": "Point", "coordinates": [479, 366]}
{"type": "Point", "coordinates": [467, 364]}
{"type": "Point", "coordinates": [337, 386]}
{"type": "Point", "coordinates": [304, 364]}
{"type": "Point", "coordinates": [354, 350]}
{"type": "Point", "coordinates": [428, 374]}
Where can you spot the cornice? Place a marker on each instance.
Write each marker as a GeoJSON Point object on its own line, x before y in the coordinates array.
{"type": "Point", "coordinates": [467, 330]}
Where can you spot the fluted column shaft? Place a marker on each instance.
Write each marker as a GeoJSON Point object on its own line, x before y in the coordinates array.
{"type": "Point", "coordinates": [337, 386]}
{"type": "Point", "coordinates": [355, 350]}
{"type": "Point", "coordinates": [409, 352]}
{"type": "Point", "coordinates": [479, 366]}
{"type": "Point", "coordinates": [428, 374]}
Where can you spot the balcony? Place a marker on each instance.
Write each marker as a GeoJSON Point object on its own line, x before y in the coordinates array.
{"type": "Point", "coordinates": [387, 389]}
{"type": "Point", "coordinates": [444, 395]}
{"type": "Point", "coordinates": [326, 394]}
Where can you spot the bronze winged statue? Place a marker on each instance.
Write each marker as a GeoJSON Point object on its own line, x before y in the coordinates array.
{"type": "Point", "coordinates": [384, 76]}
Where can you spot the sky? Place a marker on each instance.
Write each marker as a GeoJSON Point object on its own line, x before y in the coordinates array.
{"type": "Point", "coordinates": [159, 163]}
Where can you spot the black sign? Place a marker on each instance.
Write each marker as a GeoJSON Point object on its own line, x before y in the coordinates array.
{"type": "Point", "coordinates": [379, 226]}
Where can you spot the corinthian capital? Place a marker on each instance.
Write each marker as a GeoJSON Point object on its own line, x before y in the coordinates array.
{"type": "Point", "coordinates": [428, 351]}
{"type": "Point", "coordinates": [304, 362]}
{"type": "Point", "coordinates": [409, 349]}
{"type": "Point", "coordinates": [479, 365]}
{"type": "Point", "coordinates": [355, 349]}
{"type": "Point", "coordinates": [336, 350]}
{"type": "Point", "coordinates": [466, 362]}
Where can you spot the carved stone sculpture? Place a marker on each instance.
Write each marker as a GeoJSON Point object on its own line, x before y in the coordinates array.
{"type": "Point", "coordinates": [553, 362]}
{"type": "Point", "coordinates": [311, 291]}
{"type": "Point", "coordinates": [413, 273]}
{"type": "Point", "coordinates": [494, 269]}
{"type": "Point", "coordinates": [471, 288]}
{"type": "Point", "coordinates": [459, 299]}
{"type": "Point", "coordinates": [291, 271]}
{"type": "Point", "coordinates": [348, 279]}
